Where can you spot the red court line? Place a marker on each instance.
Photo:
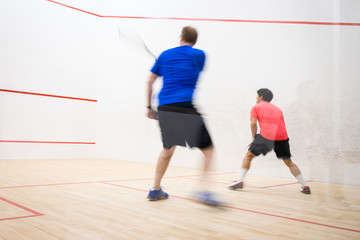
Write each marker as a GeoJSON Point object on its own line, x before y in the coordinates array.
{"type": "Point", "coordinates": [35, 213]}
{"type": "Point", "coordinates": [198, 175]}
{"type": "Point", "coordinates": [271, 186]}
{"type": "Point", "coordinates": [183, 176]}
{"type": "Point", "coordinates": [142, 179]}
{"type": "Point", "coordinates": [210, 19]}
{"type": "Point", "coordinates": [247, 210]}
{"type": "Point", "coordinates": [104, 181]}
{"type": "Point", "coordinates": [143, 190]}
{"type": "Point", "coordinates": [20, 141]}
{"type": "Point", "coordinates": [280, 185]}
{"type": "Point", "coordinates": [20, 217]}
{"type": "Point", "coordinates": [190, 178]}
{"type": "Point", "coordinates": [50, 184]}
{"type": "Point", "coordinates": [117, 185]}
{"type": "Point", "coordinates": [48, 95]}
{"type": "Point", "coordinates": [293, 219]}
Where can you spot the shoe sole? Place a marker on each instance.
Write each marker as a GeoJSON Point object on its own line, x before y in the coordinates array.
{"type": "Point", "coordinates": [211, 204]}
{"type": "Point", "coordinates": [237, 186]}
{"type": "Point", "coordinates": [207, 203]}
{"type": "Point", "coordinates": [306, 190]}
{"type": "Point", "coordinates": [155, 199]}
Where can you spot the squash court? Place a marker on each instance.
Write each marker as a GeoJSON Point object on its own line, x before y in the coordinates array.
{"type": "Point", "coordinates": [78, 154]}
{"type": "Point", "coordinates": [106, 199]}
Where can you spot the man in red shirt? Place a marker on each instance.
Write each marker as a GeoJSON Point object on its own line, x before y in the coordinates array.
{"type": "Point", "coordinates": [273, 135]}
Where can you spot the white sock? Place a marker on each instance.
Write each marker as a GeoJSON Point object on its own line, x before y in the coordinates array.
{"type": "Point", "coordinates": [242, 172]}
{"type": "Point", "coordinates": [301, 180]}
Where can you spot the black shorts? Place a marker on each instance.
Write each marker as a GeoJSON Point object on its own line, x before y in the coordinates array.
{"type": "Point", "coordinates": [262, 145]}
{"type": "Point", "coordinates": [182, 125]}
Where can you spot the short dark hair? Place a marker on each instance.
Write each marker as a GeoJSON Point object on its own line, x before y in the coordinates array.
{"type": "Point", "coordinates": [189, 34]}
{"type": "Point", "coordinates": [266, 94]}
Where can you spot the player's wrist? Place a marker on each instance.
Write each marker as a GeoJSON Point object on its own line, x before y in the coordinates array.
{"type": "Point", "coordinates": [148, 107]}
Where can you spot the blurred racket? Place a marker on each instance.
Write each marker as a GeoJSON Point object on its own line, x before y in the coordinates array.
{"type": "Point", "coordinates": [129, 34]}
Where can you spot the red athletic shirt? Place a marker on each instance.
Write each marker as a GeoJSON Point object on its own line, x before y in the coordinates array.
{"type": "Point", "coordinates": [271, 121]}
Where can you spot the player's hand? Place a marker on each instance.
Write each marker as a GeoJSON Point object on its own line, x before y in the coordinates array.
{"type": "Point", "coordinates": [152, 114]}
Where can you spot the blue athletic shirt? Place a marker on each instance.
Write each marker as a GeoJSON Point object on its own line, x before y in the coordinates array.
{"type": "Point", "coordinates": [180, 68]}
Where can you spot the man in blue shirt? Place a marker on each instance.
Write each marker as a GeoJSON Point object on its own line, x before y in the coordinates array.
{"type": "Point", "coordinates": [179, 121]}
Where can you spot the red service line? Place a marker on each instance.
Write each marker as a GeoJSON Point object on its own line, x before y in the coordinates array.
{"type": "Point", "coordinates": [198, 175]}
{"type": "Point", "coordinates": [117, 185]}
{"type": "Point", "coordinates": [184, 176]}
{"type": "Point", "coordinates": [21, 141]}
{"type": "Point", "coordinates": [48, 95]}
{"type": "Point", "coordinates": [280, 185]}
{"type": "Point", "coordinates": [34, 213]}
{"type": "Point", "coordinates": [292, 219]}
{"type": "Point", "coordinates": [210, 19]}
{"type": "Point", "coordinates": [104, 181]}
{"type": "Point", "coordinates": [207, 180]}
{"type": "Point", "coordinates": [50, 184]}
{"type": "Point", "coordinates": [271, 186]}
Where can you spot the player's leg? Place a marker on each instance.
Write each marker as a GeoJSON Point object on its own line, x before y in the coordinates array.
{"type": "Point", "coordinates": [162, 164]}
{"type": "Point", "coordinates": [171, 138]}
{"type": "Point", "coordinates": [295, 171]}
{"type": "Point", "coordinates": [208, 158]}
{"type": "Point", "coordinates": [282, 150]}
{"type": "Point", "coordinates": [202, 140]}
{"type": "Point", "coordinates": [205, 195]}
{"type": "Point", "coordinates": [197, 135]}
{"type": "Point", "coordinates": [246, 163]}
{"type": "Point", "coordinates": [243, 171]}
{"type": "Point", "coordinates": [208, 153]}
{"type": "Point", "coordinates": [247, 160]}
{"type": "Point", "coordinates": [259, 146]}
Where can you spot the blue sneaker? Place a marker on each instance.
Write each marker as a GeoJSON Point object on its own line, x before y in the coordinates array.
{"type": "Point", "coordinates": [157, 195]}
{"type": "Point", "coordinates": [207, 198]}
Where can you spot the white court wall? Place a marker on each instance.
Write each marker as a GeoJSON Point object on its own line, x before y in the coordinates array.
{"type": "Point", "coordinates": [42, 51]}
{"type": "Point", "coordinates": [312, 70]}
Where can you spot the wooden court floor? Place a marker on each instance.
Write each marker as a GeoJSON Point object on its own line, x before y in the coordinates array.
{"type": "Point", "coordinates": [106, 199]}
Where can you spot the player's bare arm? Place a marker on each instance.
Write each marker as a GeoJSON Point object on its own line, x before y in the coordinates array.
{"type": "Point", "coordinates": [150, 113]}
{"type": "Point", "coordinates": [253, 126]}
